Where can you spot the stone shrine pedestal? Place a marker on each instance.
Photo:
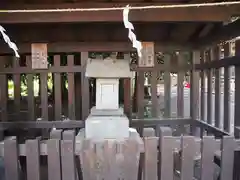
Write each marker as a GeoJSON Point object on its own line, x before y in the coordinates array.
{"type": "Point", "coordinates": [108, 124]}
{"type": "Point", "coordinates": [107, 120]}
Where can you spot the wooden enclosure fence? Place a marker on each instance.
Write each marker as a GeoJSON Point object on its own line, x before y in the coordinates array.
{"type": "Point", "coordinates": [164, 157]}
{"type": "Point", "coordinates": [32, 106]}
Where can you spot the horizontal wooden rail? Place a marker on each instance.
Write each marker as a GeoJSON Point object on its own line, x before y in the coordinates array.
{"type": "Point", "coordinates": [225, 62]}
{"type": "Point", "coordinates": [78, 145]}
{"type": "Point", "coordinates": [53, 69]}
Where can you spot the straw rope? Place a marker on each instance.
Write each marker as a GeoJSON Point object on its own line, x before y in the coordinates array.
{"type": "Point", "coordinates": [122, 8]}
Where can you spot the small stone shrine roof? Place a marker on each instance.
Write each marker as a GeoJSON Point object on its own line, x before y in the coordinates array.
{"type": "Point", "coordinates": [108, 68]}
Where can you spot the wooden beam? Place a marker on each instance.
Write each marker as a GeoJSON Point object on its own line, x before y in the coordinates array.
{"type": "Point", "coordinates": [224, 33]}
{"type": "Point", "coordinates": [207, 28]}
{"type": "Point", "coordinates": [69, 47]}
{"type": "Point", "coordinates": [183, 32]}
{"type": "Point", "coordinates": [86, 32]}
{"type": "Point", "coordinates": [217, 13]}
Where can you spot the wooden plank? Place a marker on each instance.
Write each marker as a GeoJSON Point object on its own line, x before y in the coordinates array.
{"type": "Point", "coordinates": [127, 97]}
{"type": "Point", "coordinates": [147, 59]}
{"type": "Point", "coordinates": [166, 157]}
{"type": "Point", "coordinates": [17, 88]}
{"type": "Point", "coordinates": [237, 89]}
{"type": "Point", "coordinates": [223, 33]}
{"type": "Point", "coordinates": [85, 87]}
{"type": "Point", "coordinates": [52, 69]}
{"type": "Point", "coordinates": [68, 157]}
{"type": "Point", "coordinates": [167, 87]}
{"type": "Point", "coordinates": [218, 13]}
{"type": "Point", "coordinates": [227, 157]}
{"type": "Point", "coordinates": [44, 96]}
{"type": "Point", "coordinates": [148, 132]}
{"type": "Point", "coordinates": [131, 157]}
{"type": "Point", "coordinates": [30, 90]}
{"type": "Point", "coordinates": [208, 148]}
{"type": "Point", "coordinates": [127, 91]}
{"type": "Point", "coordinates": [209, 89]}
{"type": "Point", "coordinates": [154, 97]}
{"type": "Point", "coordinates": [11, 163]}
{"type": "Point", "coordinates": [54, 159]}
{"type": "Point", "coordinates": [71, 90]}
{"type": "Point", "coordinates": [180, 87]}
{"type": "Point", "coordinates": [69, 135]}
{"type": "Point", "coordinates": [33, 159]}
{"type": "Point", "coordinates": [57, 90]}
{"type": "Point", "coordinates": [194, 89]}
{"type": "Point", "coordinates": [215, 54]}
{"type": "Point", "coordinates": [115, 46]}
{"type": "Point", "coordinates": [188, 148]}
{"type": "Point", "coordinates": [4, 91]}
{"type": "Point", "coordinates": [226, 120]}
{"type": "Point", "coordinates": [56, 134]}
{"type": "Point", "coordinates": [140, 94]}
{"type": "Point", "coordinates": [42, 124]}
{"type": "Point", "coordinates": [150, 159]}
{"type": "Point", "coordinates": [225, 62]}
{"type": "Point", "coordinates": [39, 56]}
{"type": "Point", "coordinates": [202, 76]}
{"type": "Point", "coordinates": [85, 154]}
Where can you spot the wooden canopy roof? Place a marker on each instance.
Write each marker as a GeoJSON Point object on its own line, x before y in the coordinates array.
{"type": "Point", "coordinates": [188, 27]}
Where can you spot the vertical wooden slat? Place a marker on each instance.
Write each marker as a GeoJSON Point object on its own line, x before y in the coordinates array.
{"type": "Point", "coordinates": [188, 153]}
{"type": "Point", "coordinates": [154, 94]}
{"type": "Point", "coordinates": [44, 96]}
{"type": "Point", "coordinates": [33, 160]}
{"type": "Point", "coordinates": [237, 89]}
{"type": "Point", "coordinates": [85, 163]}
{"type": "Point", "coordinates": [150, 160]}
{"type": "Point", "coordinates": [202, 76]}
{"type": "Point", "coordinates": [17, 87]}
{"type": "Point", "coordinates": [167, 87]}
{"type": "Point", "coordinates": [11, 163]}
{"type": "Point", "coordinates": [56, 134]}
{"type": "Point", "coordinates": [68, 156]}
{"type": "Point", "coordinates": [140, 95]}
{"type": "Point", "coordinates": [226, 120]}
{"type": "Point", "coordinates": [54, 159]}
{"type": "Point", "coordinates": [131, 158]}
{"type": "Point", "coordinates": [216, 56]}
{"type": "Point", "coordinates": [4, 91]}
{"type": "Point", "coordinates": [84, 86]}
{"type": "Point", "coordinates": [209, 89]}
{"type": "Point", "coordinates": [57, 90]}
{"type": "Point", "coordinates": [127, 92]}
{"type": "Point", "coordinates": [180, 87]}
{"type": "Point", "coordinates": [127, 97]}
{"type": "Point", "coordinates": [148, 132]}
{"type": "Point", "coordinates": [166, 156]}
{"type": "Point", "coordinates": [207, 150]}
{"type": "Point", "coordinates": [194, 89]}
{"type": "Point", "coordinates": [227, 157]}
{"type": "Point", "coordinates": [71, 90]}
{"type": "Point", "coordinates": [30, 90]}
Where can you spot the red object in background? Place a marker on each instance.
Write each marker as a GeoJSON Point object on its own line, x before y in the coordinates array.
{"type": "Point", "coordinates": [187, 85]}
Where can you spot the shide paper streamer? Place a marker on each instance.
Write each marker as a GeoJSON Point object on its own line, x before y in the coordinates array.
{"type": "Point", "coordinates": [135, 43]}
{"type": "Point", "coordinates": [9, 42]}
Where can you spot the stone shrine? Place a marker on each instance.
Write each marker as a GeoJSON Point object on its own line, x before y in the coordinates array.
{"type": "Point", "coordinates": [107, 120]}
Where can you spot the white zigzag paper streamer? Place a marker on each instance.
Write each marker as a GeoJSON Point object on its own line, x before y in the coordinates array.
{"type": "Point", "coordinates": [9, 42]}
{"type": "Point", "coordinates": [135, 43]}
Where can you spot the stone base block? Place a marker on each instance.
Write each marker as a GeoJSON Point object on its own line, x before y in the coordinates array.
{"type": "Point", "coordinates": [107, 112]}
{"type": "Point", "coordinates": [106, 127]}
